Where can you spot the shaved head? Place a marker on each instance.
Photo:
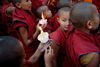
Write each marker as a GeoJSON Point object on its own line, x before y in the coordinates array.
{"type": "Point", "coordinates": [10, 51]}
{"type": "Point", "coordinates": [39, 10]}
{"type": "Point", "coordinates": [63, 9]}
{"type": "Point", "coordinates": [15, 1]}
{"type": "Point", "coordinates": [81, 13]}
{"type": "Point", "coordinates": [64, 3]}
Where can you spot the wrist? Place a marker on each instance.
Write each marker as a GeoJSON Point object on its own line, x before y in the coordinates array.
{"type": "Point", "coordinates": [48, 64]}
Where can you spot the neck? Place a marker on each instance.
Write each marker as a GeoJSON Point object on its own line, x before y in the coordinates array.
{"type": "Point", "coordinates": [85, 30]}
{"type": "Point", "coordinates": [62, 29]}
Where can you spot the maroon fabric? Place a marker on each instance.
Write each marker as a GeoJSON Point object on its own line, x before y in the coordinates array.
{"type": "Point", "coordinates": [7, 22]}
{"type": "Point", "coordinates": [54, 9]}
{"type": "Point", "coordinates": [77, 44]}
{"type": "Point", "coordinates": [23, 19]}
{"type": "Point", "coordinates": [53, 23]}
{"type": "Point", "coordinates": [29, 64]}
{"type": "Point", "coordinates": [59, 38]}
{"type": "Point", "coordinates": [97, 3]}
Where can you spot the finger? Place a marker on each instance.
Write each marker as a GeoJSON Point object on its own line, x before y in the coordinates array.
{"type": "Point", "coordinates": [50, 50]}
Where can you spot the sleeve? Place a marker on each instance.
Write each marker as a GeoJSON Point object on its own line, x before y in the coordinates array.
{"type": "Point", "coordinates": [86, 58]}
{"type": "Point", "coordinates": [28, 64]}
{"type": "Point", "coordinates": [19, 24]}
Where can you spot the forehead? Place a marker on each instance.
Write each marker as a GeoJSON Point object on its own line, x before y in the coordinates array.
{"type": "Point", "coordinates": [64, 14]}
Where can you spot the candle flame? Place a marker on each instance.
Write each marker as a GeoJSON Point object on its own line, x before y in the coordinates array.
{"type": "Point", "coordinates": [42, 33]}
{"type": "Point", "coordinates": [42, 16]}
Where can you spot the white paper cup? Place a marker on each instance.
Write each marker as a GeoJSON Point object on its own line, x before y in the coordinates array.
{"type": "Point", "coordinates": [43, 40]}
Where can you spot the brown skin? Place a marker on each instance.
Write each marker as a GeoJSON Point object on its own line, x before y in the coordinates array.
{"type": "Point", "coordinates": [24, 33]}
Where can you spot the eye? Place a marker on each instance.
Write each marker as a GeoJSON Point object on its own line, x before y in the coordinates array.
{"type": "Point", "coordinates": [64, 20]}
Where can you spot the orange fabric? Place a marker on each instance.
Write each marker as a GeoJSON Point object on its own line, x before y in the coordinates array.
{"type": "Point", "coordinates": [51, 2]}
{"type": "Point", "coordinates": [88, 0]}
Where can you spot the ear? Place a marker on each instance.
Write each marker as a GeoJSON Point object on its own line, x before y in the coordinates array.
{"type": "Point", "coordinates": [89, 24]}
{"type": "Point", "coordinates": [58, 19]}
{"type": "Point", "coordinates": [18, 5]}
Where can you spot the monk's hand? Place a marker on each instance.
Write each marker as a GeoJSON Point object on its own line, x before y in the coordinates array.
{"type": "Point", "coordinates": [49, 55]}
{"type": "Point", "coordinates": [43, 46]}
{"type": "Point", "coordinates": [44, 25]}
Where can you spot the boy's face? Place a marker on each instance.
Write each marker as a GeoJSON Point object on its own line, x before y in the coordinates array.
{"type": "Point", "coordinates": [25, 5]}
{"type": "Point", "coordinates": [63, 19]}
{"type": "Point", "coordinates": [47, 13]}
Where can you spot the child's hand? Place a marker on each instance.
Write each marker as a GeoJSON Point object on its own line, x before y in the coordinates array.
{"type": "Point", "coordinates": [43, 46]}
{"type": "Point", "coordinates": [49, 55]}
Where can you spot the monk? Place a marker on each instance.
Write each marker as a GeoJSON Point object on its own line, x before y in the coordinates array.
{"type": "Point", "coordinates": [58, 36]}
{"type": "Point", "coordinates": [53, 22]}
{"type": "Point", "coordinates": [7, 10]}
{"type": "Point", "coordinates": [82, 46]}
{"type": "Point", "coordinates": [26, 28]}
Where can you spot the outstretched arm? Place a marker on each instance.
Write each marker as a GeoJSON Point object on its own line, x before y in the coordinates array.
{"type": "Point", "coordinates": [41, 48]}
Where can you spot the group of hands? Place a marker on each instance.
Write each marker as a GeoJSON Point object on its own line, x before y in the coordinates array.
{"type": "Point", "coordinates": [48, 51]}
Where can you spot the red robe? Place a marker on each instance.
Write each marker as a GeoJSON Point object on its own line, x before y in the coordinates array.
{"type": "Point", "coordinates": [23, 19]}
{"type": "Point", "coordinates": [58, 37]}
{"type": "Point", "coordinates": [29, 64]}
{"type": "Point", "coordinates": [97, 3]}
{"type": "Point", "coordinates": [53, 23]}
{"type": "Point", "coordinates": [79, 43]}
{"type": "Point", "coordinates": [7, 22]}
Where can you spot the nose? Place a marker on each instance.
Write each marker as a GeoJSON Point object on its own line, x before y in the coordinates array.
{"type": "Point", "coordinates": [67, 23]}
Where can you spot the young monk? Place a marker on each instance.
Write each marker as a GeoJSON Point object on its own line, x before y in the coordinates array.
{"type": "Point", "coordinates": [7, 10]}
{"type": "Point", "coordinates": [82, 46]}
{"type": "Point", "coordinates": [27, 30]}
{"type": "Point", "coordinates": [58, 36]}
{"type": "Point", "coordinates": [16, 53]}
{"type": "Point", "coordinates": [53, 22]}
{"type": "Point", "coordinates": [46, 13]}
{"type": "Point", "coordinates": [97, 3]}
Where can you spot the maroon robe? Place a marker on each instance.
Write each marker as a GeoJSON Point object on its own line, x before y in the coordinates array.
{"type": "Point", "coordinates": [53, 23]}
{"type": "Point", "coordinates": [29, 64]}
{"type": "Point", "coordinates": [58, 37]}
{"type": "Point", "coordinates": [23, 19]}
{"type": "Point", "coordinates": [77, 44]}
{"type": "Point", "coordinates": [97, 3]}
{"type": "Point", "coordinates": [7, 22]}
{"type": "Point", "coordinates": [54, 8]}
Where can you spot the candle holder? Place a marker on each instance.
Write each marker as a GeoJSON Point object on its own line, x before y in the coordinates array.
{"type": "Point", "coordinates": [43, 40]}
